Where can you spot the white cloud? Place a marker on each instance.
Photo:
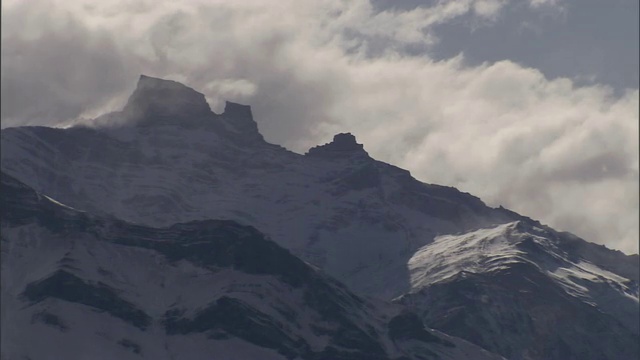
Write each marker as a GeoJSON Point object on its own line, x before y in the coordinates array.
{"type": "Point", "coordinates": [540, 3]}
{"type": "Point", "coordinates": [563, 154]}
{"type": "Point", "coordinates": [488, 8]}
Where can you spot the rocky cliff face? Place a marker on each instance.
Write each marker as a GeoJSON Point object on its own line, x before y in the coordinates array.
{"type": "Point", "coordinates": [156, 101]}
{"type": "Point", "coordinates": [76, 285]}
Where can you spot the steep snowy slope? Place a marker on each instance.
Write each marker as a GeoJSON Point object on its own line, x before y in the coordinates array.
{"type": "Point", "coordinates": [528, 292]}
{"type": "Point", "coordinates": [173, 160]}
{"type": "Point", "coordinates": [77, 286]}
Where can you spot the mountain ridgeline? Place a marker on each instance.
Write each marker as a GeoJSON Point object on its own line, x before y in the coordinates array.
{"type": "Point", "coordinates": [203, 288]}
{"type": "Point", "coordinates": [166, 230]}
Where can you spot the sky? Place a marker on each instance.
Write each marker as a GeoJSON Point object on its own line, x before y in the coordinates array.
{"type": "Point", "coordinates": [528, 104]}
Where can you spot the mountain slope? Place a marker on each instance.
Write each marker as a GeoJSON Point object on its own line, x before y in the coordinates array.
{"type": "Point", "coordinates": [78, 286]}
{"type": "Point", "coordinates": [357, 218]}
{"type": "Point", "coordinates": [533, 294]}
{"type": "Point", "coordinates": [167, 158]}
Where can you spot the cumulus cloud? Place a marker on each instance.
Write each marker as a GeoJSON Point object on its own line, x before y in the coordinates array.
{"type": "Point", "coordinates": [561, 153]}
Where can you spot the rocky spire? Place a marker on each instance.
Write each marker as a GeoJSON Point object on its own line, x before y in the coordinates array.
{"type": "Point", "coordinates": [238, 122]}
{"type": "Point", "coordinates": [343, 145]}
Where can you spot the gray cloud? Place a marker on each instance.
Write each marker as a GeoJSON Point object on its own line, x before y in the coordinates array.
{"type": "Point", "coordinates": [54, 68]}
{"type": "Point", "coordinates": [543, 146]}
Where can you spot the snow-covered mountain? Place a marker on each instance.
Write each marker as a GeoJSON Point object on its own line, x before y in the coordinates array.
{"type": "Point", "coordinates": [78, 286]}
{"type": "Point", "coordinates": [167, 158]}
{"type": "Point", "coordinates": [528, 292]}
{"type": "Point", "coordinates": [173, 160]}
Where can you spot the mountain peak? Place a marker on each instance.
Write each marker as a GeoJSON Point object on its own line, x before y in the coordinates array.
{"type": "Point", "coordinates": [237, 110]}
{"type": "Point", "coordinates": [166, 102]}
{"type": "Point", "coordinates": [343, 144]}
{"type": "Point", "coordinates": [159, 101]}
{"type": "Point", "coordinates": [238, 121]}
{"type": "Point", "coordinates": [153, 82]}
